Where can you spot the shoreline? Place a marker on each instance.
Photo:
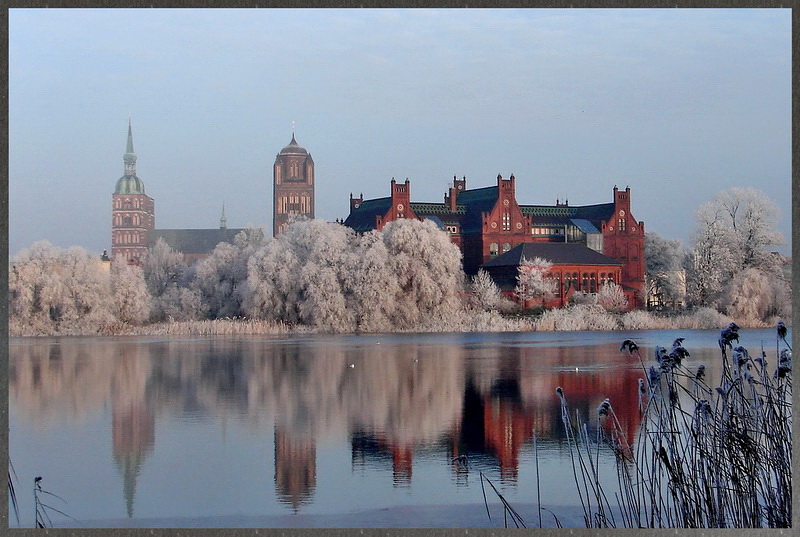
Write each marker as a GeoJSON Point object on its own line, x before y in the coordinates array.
{"type": "Point", "coordinates": [403, 516]}
{"type": "Point", "coordinates": [561, 321]}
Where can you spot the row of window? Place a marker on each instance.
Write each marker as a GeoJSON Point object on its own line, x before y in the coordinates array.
{"type": "Point", "coordinates": [128, 237]}
{"type": "Point", "coordinates": [135, 203]}
{"type": "Point", "coordinates": [547, 231]}
{"type": "Point", "coordinates": [588, 282]}
{"type": "Point", "coordinates": [294, 203]}
{"type": "Point", "coordinates": [131, 220]}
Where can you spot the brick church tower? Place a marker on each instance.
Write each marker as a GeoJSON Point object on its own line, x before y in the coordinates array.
{"type": "Point", "coordinates": [132, 213]}
{"type": "Point", "coordinates": [293, 185]}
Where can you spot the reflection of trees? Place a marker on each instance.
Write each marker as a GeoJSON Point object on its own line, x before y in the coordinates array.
{"type": "Point", "coordinates": [395, 399]}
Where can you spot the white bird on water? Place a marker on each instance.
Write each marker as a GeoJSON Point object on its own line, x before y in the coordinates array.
{"type": "Point", "coordinates": [351, 366]}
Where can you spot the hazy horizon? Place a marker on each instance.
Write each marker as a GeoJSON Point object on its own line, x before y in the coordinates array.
{"type": "Point", "coordinates": [678, 104]}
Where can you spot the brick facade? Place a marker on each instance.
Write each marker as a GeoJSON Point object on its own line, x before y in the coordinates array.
{"type": "Point", "coordinates": [487, 222]}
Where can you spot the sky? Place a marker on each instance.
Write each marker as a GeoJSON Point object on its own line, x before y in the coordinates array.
{"type": "Point", "coordinates": [678, 104]}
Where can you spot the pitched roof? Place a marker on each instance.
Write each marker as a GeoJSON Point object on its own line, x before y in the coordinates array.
{"type": "Point", "coordinates": [363, 218]}
{"type": "Point", "coordinates": [558, 253]}
{"type": "Point", "coordinates": [192, 241]}
{"type": "Point", "coordinates": [593, 213]}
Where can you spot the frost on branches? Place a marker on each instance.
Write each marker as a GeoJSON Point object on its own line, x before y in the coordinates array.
{"type": "Point", "coordinates": [326, 276]}
{"type": "Point", "coordinates": [533, 288]}
{"type": "Point", "coordinates": [486, 296]}
{"type": "Point", "coordinates": [731, 266]}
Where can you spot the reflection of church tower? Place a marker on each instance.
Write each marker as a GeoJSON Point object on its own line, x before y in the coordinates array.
{"type": "Point", "coordinates": [133, 211]}
{"type": "Point", "coordinates": [133, 435]}
{"type": "Point", "coordinates": [295, 468]}
{"type": "Point", "coordinates": [293, 185]}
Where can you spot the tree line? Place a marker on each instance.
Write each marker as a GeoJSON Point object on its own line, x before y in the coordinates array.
{"type": "Point", "coordinates": [730, 264]}
{"type": "Point", "coordinates": [329, 278]}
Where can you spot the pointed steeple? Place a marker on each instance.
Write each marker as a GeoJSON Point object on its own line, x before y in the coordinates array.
{"type": "Point", "coordinates": [223, 222]}
{"type": "Point", "coordinates": [130, 157]}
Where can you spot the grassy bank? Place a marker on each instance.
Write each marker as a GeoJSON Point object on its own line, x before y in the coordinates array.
{"type": "Point", "coordinates": [578, 317]}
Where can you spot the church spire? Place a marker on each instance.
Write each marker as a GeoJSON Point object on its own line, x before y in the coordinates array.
{"type": "Point", "coordinates": [223, 222]}
{"type": "Point", "coordinates": [130, 157]}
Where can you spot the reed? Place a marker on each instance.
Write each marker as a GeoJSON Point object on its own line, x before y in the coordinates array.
{"type": "Point", "coordinates": [703, 457]}
{"type": "Point", "coordinates": [43, 510]}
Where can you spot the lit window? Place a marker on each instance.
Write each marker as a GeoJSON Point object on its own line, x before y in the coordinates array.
{"type": "Point", "coordinates": [493, 249]}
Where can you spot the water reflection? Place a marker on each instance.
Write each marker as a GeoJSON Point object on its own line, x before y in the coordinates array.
{"type": "Point", "coordinates": [394, 400]}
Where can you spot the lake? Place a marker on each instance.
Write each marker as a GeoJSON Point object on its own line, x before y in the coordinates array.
{"type": "Point", "coordinates": [317, 430]}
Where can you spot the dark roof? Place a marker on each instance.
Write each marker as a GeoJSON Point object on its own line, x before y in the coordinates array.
{"type": "Point", "coordinates": [593, 213]}
{"type": "Point", "coordinates": [192, 241]}
{"type": "Point", "coordinates": [558, 253]}
{"type": "Point", "coordinates": [293, 148]}
{"type": "Point", "coordinates": [584, 225]}
{"type": "Point", "coordinates": [470, 205]}
{"type": "Point", "coordinates": [476, 202]}
{"type": "Point", "coordinates": [363, 218]}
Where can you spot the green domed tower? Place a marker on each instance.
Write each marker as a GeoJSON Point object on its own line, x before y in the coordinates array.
{"type": "Point", "coordinates": [133, 211]}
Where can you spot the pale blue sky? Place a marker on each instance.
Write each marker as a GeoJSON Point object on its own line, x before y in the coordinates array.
{"type": "Point", "coordinates": [678, 104]}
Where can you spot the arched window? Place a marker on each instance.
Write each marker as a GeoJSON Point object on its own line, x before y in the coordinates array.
{"type": "Point", "coordinates": [621, 224]}
{"type": "Point", "coordinates": [506, 221]}
{"type": "Point", "coordinates": [585, 287]}
{"type": "Point", "coordinates": [493, 249]}
{"type": "Point", "coordinates": [506, 247]}
{"type": "Point", "coordinates": [593, 284]}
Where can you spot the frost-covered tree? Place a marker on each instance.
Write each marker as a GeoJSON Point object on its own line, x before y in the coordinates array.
{"type": "Point", "coordinates": [300, 276]}
{"type": "Point", "coordinates": [748, 295]}
{"type": "Point", "coordinates": [163, 268]}
{"type": "Point", "coordinates": [713, 261]}
{"type": "Point", "coordinates": [752, 217]}
{"type": "Point", "coordinates": [324, 275]}
{"type": "Point", "coordinates": [428, 270]}
{"type": "Point", "coordinates": [611, 298]}
{"type": "Point", "coordinates": [372, 287]}
{"type": "Point", "coordinates": [130, 298]}
{"type": "Point", "coordinates": [486, 294]}
{"type": "Point", "coordinates": [168, 280]}
{"type": "Point", "coordinates": [754, 295]}
{"type": "Point", "coordinates": [532, 283]}
{"type": "Point", "coordinates": [735, 232]}
{"type": "Point", "coordinates": [664, 271]}
{"type": "Point", "coordinates": [221, 278]}
{"type": "Point", "coordinates": [52, 290]}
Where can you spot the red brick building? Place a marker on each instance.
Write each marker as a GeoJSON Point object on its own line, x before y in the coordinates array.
{"type": "Point", "coordinates": [576, 269]}
{"type": "Point", "coordinates": [293, 185]}
{"type": "Point", "coordinates": [133, 221]}
{"type": "Point", "coordinates": [133, 211]}
{"type": "Point", "coordinates": [488, 222]}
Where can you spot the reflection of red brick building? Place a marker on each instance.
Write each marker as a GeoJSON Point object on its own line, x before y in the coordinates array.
{"type": "Point", "coordinates": [488, 222]}
{"type": "Point", "coordinates": [501, 423]}
{"type": "Point", "coordinates": [295, 468]}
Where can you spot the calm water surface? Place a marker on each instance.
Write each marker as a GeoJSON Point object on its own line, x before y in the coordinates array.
{"type": "Point", "coordinates": [261, 430]}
